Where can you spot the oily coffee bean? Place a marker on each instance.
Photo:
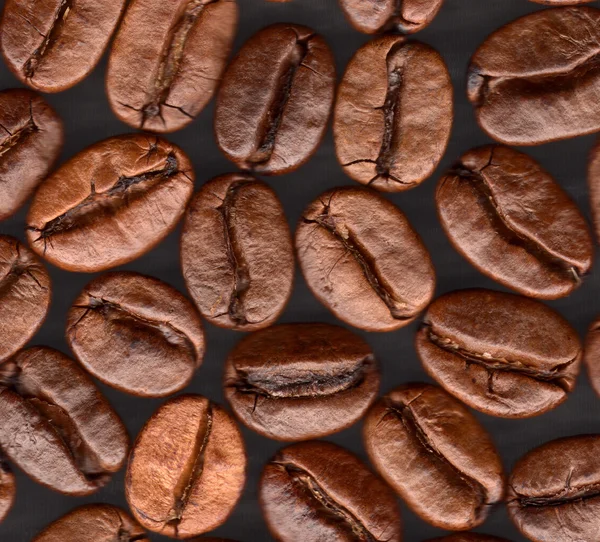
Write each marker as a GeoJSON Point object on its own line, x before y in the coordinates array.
{"type": "Point", "coordinates": [468, 537]}
{"type": "Point", "coordinates": [592, 354]}
{"type": "Point", "coordinates": [500, 353]}
{"type": "Point", "coordinates": [393, 114]}
{"type": "Point", "coordinates": [24, 295]}
{"type": "Point", "coordinates": [136, 333]}
{"type": "Point", "coordinates": [236, 253]}
{"type": "Point", "coordinates": [56, 425]}
{"type": "Point", "coordinates": [111, 203]}
{"type": "Point", "coordinates": [93, 522]}
{"type": "Point", "coordinates": [554, 491]}
{"type": "Point", "coordinates": [167, 60]}
{"type": "Point", "coordinates": [51, 45]}
{"type": "Point", "coordinates": [7, 488]}
{"type": "Point", "coordinates": [187, 467]}
{"type": "Point", "coordinates": [301, 381]}
{"type": "Point", "coordinates": [317, 491]}
{"type": "Point", "coordinates": [30, 142]}
{"type": "Point", "coordinates": [509, 218]}
{"type": "Point", "coordinates": [537, 79]}
{"type": "Point", "coordinates": [435, 454]}
{"type": "Point", "coordinates": [275, 99]}
{"type": "Point", "coordinates": [362, 259]}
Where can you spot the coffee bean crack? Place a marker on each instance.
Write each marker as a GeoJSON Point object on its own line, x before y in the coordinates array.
{"type": "Point", "coordinates": [19, 268]}
{"type": "Point", "coordinates": [568, 495]}
{"type": "Point", "coordinates": [20, 135]}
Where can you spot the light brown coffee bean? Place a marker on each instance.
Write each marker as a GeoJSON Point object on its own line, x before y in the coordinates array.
{"type": "Point", "coordinates": [8, 488]}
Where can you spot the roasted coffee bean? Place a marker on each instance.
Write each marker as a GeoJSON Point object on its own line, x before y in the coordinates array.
{"type": "Point", "coordinates": [554, 491]}
{"type": "Point", "coordinates": [167, 60]}
{"type": "Point", "coordinates": [393, 114]}
{"type": "Point", "coordinates": [404, 16]}
{"type": "Point", "coordinates": [537, 79]}
{"type": "Point", "coordinates": [468, 537]}
{"type": "Point", "coordinates": [51, 45]}
{"type": "Point", "coordinates": [592, 354]}
{"type": "Point", "coordinates": [136, 333]}
{"type": "Point", "coordinates": [24, 295]}
{"type": "Point", "coordinates": [594, 186]}
{"type": "Point", "coordinates": [362, 259]}
{"type": "Point", "coordinates": [111, 203]}
{"type": "Point", "coordinates": [500, 353]}
{"type": "Point", "coordinates": [435, 454]}
{"type": "Point", "coordinates": [275, 100]}
{"type": "Point", "coordinates": [93, 522]}
{"type": "Point", "coordinates": [509, 218]}
{"type": "Point", "coordinates": [7, 488]}
{"type": "Point", "coordinates": [301, 381]}
{"type": "Point", "coordinates": [31, 138]}
{"type": "Point", "coordinates": [56, 425]}
{"type": "Point", "coordinates": [317, 491]}
{"type": "Point", "coordinates": [187, 468]}
{"type": "Point", "coordinates": [236, 253]}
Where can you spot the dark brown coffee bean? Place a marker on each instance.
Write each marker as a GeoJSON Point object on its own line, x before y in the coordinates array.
{"type": "Point", "coordinates": [51, 45]}
{"type": "Point", "coordinates": [111, 203]}
{"type": "Point", "coordinates": [393, 114]}
{"type": "Point", "coordinates": [554, 491]}
{"type": "Point", "coordinates": [93, 522]}
{"type": "Point", "coordinates": [167, 60]}
{"type": "Point", "coordinates": [404, 16]}
{"type": "Point", "coordinates": [509, 218]}
{"type": "Point", "coordinates": [503, 354]}
{"type": "Point", "coordinates": [436, 455]}
{"type": "Point", "coordinates": [317, 491]}
{"type": "Point", "coordinates": [24, 295]}
{"type": "Point", "coordinates": [275, 100]}
{"type": "Point", "coordinates": [31, 138]}
{"type": "Point", "coordinates": [537, 79]}
{"type": "Point", "coordinates": [136, 333]}
{"type": "Point", "coordinates": [56, 425]}
{"type": "Point", "coordinates": [301, 381]}
{"type": "Point", "coordinates": [362, 259]}
{"type": "Point", "coordinates": [186, 470]}
{"type": "Point", "coordinates": [468, 537]}
{"type": "Point", "coordinates": [8, 488]}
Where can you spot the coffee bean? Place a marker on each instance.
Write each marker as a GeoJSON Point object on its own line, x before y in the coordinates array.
{"type": "Point", "coordinates": [537, 79]}
{"type": "Point", "coordinates": [24, 295]}
{"type": "Point", "coordinates": [186, 471]}
{"type": "Point", "coordinates": [393, 114]}
{"type": "Point", "coordinates": [594, 186]}
{"type": "Point", "coordinates": [376, 16]}
{"type": "Point", "coordinates": [136, 333]}
{"type": "Point", "coordinates": [301, 381]}
{"type": "Point", "coordinates": [53, 44]}
{"type": "Point", "coordinates": [592, 354]}
{"type": "Point", "coordinates": [316, 491]}
{"type": "Point", "coordinates": [111, 203]}
{"type": "Point", "coordinates": [93, 522]}
{"type": "Point", "coordinates": [468, 537]}
{"type": "Point", "coordinates": [275, 99]}
{"type": "Point", "coordinates": [554, 491]}
{"type": "Point", "coordinates": [435, 454]}
{"type": "Point", "coordinates": [56, 425]}
{"type": "Point", "coordinates": [8, 488]}
{"type": "Point", "coordinates": [167, 60]}
{"type": "Point", "coordinates": [236, 253]}
{"type": "Point", "coordinates": [509, 218]}
{"type": "Point", "coordinates": [362, 259]}
{"type": "Point", "coordinates": [30, 142]}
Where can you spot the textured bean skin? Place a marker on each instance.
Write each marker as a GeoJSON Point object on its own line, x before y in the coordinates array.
{"type": "Point", "coordinates": [509, 218]}
{"type": "Point", "coordinates": [362, 259]}
{"type": "Point", "coordinates": [435, 454]}
{"type": "Point", "coordinates": [236, 253]}
{"type": "Point", "coordinates": [468, 537]}
{"type": "Point", "coordinates": [136, 333]}
{"type": "Point", "coordinates": [300, 381]}
{"type": "Point", "coordinates": [8, 489]}
{"type": "Point", "coordinates": [594, 186]}
{"type": "Point", "coordinates": [111, 203]}
{"type": "Point", "coordinates": [553, 491]}
{"type": "Point", "coordinates": [537, 79]}
{"type": "Point", "coordinates": [56, 425]}
{"type": "Point", "coordinates": [93, 522]}
{"type": "Point", "coordinates": [30, 142]}
{"type": "Point", "coordinates": [187, 467]}
{"type": "Point", "coordinates": [275, 99]}
{"type": "Point", "coordinates": [315, 491]}
{"type": "Point", "coordinates": [393, 114]}
{"type": "Point", "coordinates": [51, 45]}
{"type": "Point", "coordinates": [167, 60]}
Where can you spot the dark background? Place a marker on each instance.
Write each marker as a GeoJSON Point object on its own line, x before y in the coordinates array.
{"type": "Point", "coordinates": [458, 29]}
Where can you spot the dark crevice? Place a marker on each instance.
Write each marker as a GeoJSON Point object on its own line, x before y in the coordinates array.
{"type": "Point", "coordinates": [20, 135]}
{"type": "Point", "coordinates": [18, 269]}
{"type": "Point", "coordinates": [567, 496]}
